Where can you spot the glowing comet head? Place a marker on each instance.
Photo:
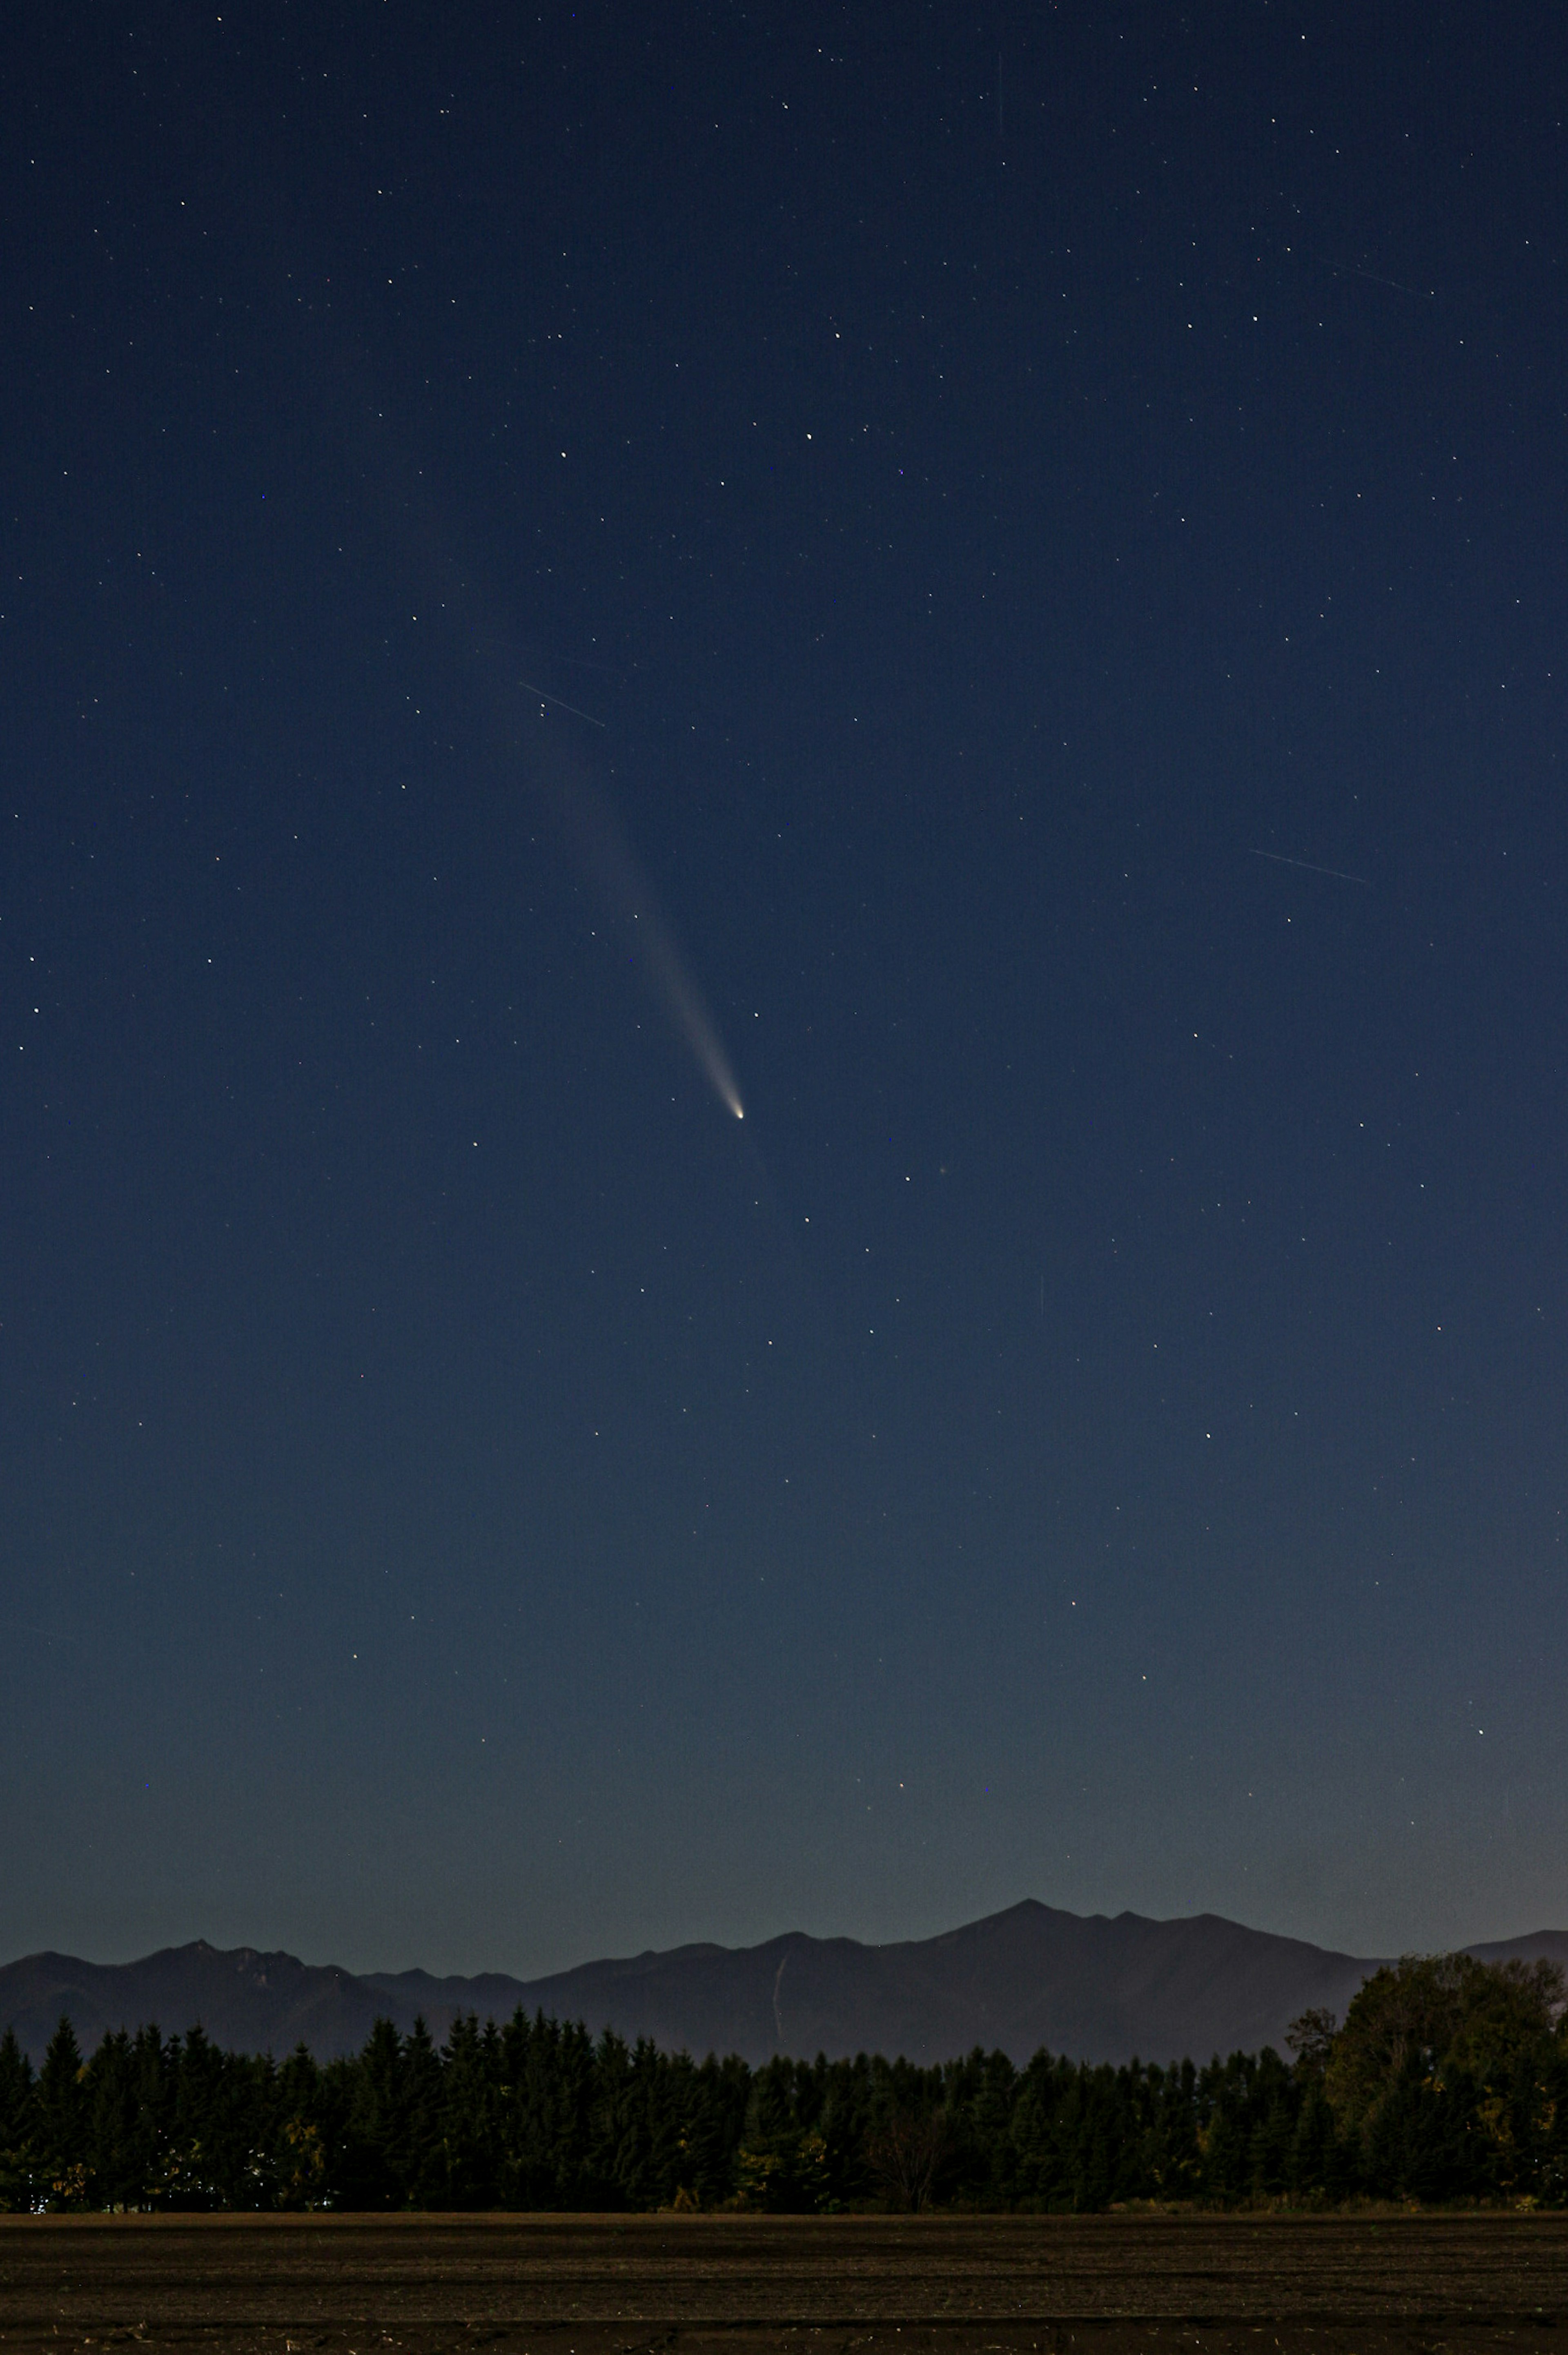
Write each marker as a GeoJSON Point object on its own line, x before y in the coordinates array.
{"type": "Point", "coordinates": [596, 834]}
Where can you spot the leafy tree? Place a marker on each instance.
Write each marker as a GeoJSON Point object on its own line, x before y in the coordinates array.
{"type": "Point", "coordinates": [1310, 2037]}
{"type": "Point", "coordinates": [1510, 2011]}
{"type": "Point", "coordinates": [904, 2155]}
{"type": "Point", "coordinates": [1410, 2011]}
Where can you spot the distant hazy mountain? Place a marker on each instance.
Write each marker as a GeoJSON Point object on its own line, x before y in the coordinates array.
{"type": "Point", "coordinates": [1096, 1988]}
{"type": "Point", "coordinates": [249, 2002]}
{"type": "Point", "coordinates": [1545, 1946]}
{"type": "Point", "coordinates": [1092, 1988]}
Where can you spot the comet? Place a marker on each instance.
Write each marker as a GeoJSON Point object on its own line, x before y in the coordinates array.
{"type": "Point", "coordinates": [601, 844]}
{"type": "Point", "coordinates": [581, 809]}
{"type": "Point", "coordinates": [675, 985]}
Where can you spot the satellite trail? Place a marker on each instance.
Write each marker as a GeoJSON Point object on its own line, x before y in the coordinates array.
{"type": "Point", "coordinates": [1311, 868]}
{"type": "Point", "coordinates": [555, 700]}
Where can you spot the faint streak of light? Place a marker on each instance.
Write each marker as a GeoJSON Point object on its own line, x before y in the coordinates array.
{"type": "Point", "coordinates": [586, 814]}
{"type": "Point", "coordinates": [1311, 868]}
{"type": "Point", "coordinates": [665, 963]}
{"type": "Point", "coordinates": [1354, 269]}
{"type": "Point", "coordinates": [562, 706]}
{"type": "Point", "coordinates": [600, 842]}
{"type": "Point", "coordinates": [680, 993]}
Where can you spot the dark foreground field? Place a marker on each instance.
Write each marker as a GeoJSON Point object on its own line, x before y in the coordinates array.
{"type": "Point", "coordinates": [715, 2285]}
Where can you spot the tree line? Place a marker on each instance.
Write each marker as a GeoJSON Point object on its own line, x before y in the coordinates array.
{"type": "Point", "coordinates": [1446, 2082]}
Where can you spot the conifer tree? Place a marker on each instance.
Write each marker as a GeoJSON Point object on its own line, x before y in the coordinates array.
{"type": "Point", "coordinates": [18, 2126]}
{"type": "Point", "coordinates": [63, 2119]}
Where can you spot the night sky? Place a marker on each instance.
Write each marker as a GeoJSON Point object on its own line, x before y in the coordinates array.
{"type": "Point", "coordinates": [988, 589]}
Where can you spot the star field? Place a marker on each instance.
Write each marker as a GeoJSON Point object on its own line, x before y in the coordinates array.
{"type": "Point", "coordinates": [990, 595]}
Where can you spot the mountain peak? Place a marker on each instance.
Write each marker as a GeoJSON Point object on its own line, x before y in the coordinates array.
{"type": "Point", "coordinates": [1091, 1986]}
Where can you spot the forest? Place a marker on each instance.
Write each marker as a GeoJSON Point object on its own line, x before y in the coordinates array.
{"type": "Point", "coordinates": [1446, 2082]}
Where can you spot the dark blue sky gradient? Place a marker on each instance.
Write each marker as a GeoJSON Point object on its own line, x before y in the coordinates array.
{"type": "Point", "coordinates": [1096, 1429]}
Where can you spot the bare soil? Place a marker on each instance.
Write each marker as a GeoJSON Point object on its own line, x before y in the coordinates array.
{"type": "Point", "coordinates": [851, 2286]}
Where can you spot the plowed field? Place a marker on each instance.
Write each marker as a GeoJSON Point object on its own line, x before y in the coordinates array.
{"type": "Point", "coordinates": [717, 2286]}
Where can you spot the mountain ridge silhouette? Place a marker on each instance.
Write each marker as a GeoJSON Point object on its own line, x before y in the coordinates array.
{"type": "Point", "coordinates": [1091, 1986]}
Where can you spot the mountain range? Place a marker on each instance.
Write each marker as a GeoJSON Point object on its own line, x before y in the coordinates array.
{"type": "Point", "coordinates": [1094, 1987]}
